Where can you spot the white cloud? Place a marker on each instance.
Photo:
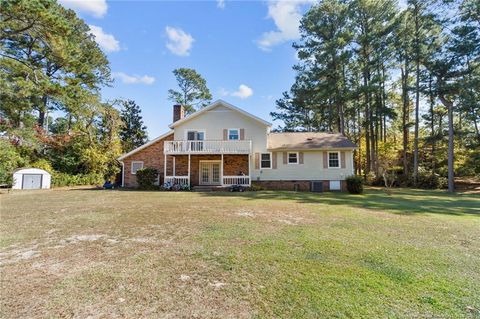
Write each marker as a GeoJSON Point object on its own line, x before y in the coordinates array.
{"type": "Point", "coordinates": [221, 4]}
{"type": "Point", "coordinates": [96, 8]}
{"type": "Point", "coordinates": [286, 15]}
{"type": "Point", "coordinates": [105, 41]}
{"type": "Point", "coordinates": [179, 42]}
{"type": "Point", "coordinates": [133, 79]}
{"type": "Point", "coordinates": [243, 92]}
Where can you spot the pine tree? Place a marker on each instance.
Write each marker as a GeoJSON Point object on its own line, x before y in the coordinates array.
{"type": "Point", "coordinates": [133, 133]}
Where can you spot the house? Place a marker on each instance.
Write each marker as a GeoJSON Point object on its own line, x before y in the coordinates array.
{"type": "Point", "coordinates": [222, 145]}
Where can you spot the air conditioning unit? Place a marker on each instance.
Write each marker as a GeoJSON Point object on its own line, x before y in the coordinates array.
{"type": "Point", "coordinates": [316, 186]}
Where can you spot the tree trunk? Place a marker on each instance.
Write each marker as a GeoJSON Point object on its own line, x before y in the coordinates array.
{"type": "Point", "coordinates": [451, 174]}
{"type": "Point", "coordinates": [405, 118]}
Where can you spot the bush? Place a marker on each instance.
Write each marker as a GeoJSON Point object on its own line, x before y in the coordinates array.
{"type": "Point", "coordinates": [428, 180]}
{"type": "Point", "coordinates": [354, 184]}
{"type": "Point", "coordinates": [146, 178]}
{"type": "Point", "coordinates": [255, 187]}
{"type": "Point", "coordinates": [64, 179]}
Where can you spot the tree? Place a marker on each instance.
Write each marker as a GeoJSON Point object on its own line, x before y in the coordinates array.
{"type": "Point", "coordinates": [133, 133]}
{"type": "Point", "coordinates": [193, 92]}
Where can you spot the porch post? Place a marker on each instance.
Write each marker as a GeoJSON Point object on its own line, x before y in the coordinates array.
{"type": "Point", "coordinates": [188, 169]}
{"type": "Point", "coordinates": [249, 172]}
{"type": "Point", "coordinates": [164, 168]}
{"type": "Point", "coordinates": [221, 170]}
{"type": "Point", "coordinates": [174, 173]}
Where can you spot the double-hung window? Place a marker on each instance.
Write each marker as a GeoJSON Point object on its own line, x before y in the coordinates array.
{"type": "Point", "coordinates": [333, 160]}
{"type": "Point", "coordinates": [265, 160]}
{"type": "Point", "coordinates": [136, 165]}
{"type": "Point", "coordinates": [233, 134]}
{"type": "Point", "coordinates": [293, 158]}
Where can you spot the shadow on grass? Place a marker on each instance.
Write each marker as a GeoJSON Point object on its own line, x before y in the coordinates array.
{"type": "Point", "coordinates": [401, 201]}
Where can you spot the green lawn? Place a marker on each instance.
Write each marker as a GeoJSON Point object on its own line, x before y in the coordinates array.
{"type": "Point", "coordinates": [130, 254]}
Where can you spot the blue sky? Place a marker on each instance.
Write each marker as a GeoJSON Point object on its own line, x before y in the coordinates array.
{"type": "Point", "coordinates": [242, 48]}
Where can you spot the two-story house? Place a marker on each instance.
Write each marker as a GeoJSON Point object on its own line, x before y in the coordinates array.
{"type": "Point", "coordinates": [222, 145]}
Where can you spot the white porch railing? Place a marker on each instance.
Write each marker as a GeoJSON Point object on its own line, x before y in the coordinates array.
{"type": "Point", "coordinates": [208, 147]}
{"type": "Point", "coordinates": [236, 180]}
{"type": "Point", "coordinates": [181, 180]}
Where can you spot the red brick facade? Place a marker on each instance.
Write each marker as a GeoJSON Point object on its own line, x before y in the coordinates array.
{"type": "Point", "coordinates": [151, 156]}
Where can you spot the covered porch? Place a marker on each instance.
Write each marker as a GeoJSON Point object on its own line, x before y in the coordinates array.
{"type": "Point", "coordinates": [208, 170]}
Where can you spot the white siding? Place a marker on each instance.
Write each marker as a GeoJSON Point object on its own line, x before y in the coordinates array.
{"type": "Point", "coordinates": [312, 169]}
{"type": "Point", "coordinates": [213, 123]}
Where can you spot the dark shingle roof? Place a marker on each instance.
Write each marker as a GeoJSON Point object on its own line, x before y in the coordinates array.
{"type": "Point", "coordinates": [308, 140]}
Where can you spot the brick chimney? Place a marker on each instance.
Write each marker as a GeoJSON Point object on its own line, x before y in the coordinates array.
{"type": "Point", "coordinates": [178, 112]}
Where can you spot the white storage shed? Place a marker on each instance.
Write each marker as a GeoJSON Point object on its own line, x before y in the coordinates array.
{"type": "Point", "coordinates": [31, 178]}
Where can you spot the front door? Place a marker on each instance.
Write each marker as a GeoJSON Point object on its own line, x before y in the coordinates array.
{"type": "Point", "coordinates": [210, 173]}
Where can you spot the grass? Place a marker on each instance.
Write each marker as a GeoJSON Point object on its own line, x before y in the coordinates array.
{"type": "Point", "coordinates": [80, 253]}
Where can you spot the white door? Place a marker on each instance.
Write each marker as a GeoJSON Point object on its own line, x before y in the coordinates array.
{"type": "Point", "coordinates": [32, 181]}
{"type": "Point", "coordinates": [210, 173]}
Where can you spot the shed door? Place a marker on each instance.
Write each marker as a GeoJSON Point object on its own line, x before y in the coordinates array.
{"type": "Point", "coordinates": [32, 181]}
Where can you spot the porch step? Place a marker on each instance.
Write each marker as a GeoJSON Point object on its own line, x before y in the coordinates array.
{"type": "Point", "coordinates": [203, 188]}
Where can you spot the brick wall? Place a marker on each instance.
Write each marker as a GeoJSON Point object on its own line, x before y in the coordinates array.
{"type": "Point", "coordinates": [151, 156]}
{"type": "Point", "coordinates": [303, 186]}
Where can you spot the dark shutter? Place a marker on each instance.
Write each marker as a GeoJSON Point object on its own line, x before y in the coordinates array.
{"type": "Point", "coordinates": [325, 159]}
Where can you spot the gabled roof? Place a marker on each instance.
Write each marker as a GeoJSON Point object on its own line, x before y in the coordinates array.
{"type": "Point", "coordinates": [308, 140]}
{"type": "Point", "coordinates": [215, 104]}
{"type": "Point", "coordinates": [145, 145]}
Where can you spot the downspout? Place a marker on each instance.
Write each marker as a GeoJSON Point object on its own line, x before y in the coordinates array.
{"type": "Point", "coordinates": [123, 173]}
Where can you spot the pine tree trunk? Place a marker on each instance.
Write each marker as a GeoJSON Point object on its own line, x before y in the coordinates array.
{"type": "Point", "coordinates": [451, 174]}
{"type": "Point", "coordinates": [405, 119]}
{"type": "Point", "coordinates": [417, 105]}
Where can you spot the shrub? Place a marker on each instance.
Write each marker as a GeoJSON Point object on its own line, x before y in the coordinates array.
{"type": "Point", "coordinates": [428, 180]}
{"type": "Point", "coordinates": [146, 178]}
{"type": "Point", "coordinates": [256, 187]}
{"type": "Point", "coordinates": [64, 179]}
{"type": "Point", "coordinates": [354, 184]}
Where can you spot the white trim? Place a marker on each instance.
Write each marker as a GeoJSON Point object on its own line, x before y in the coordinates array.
{"type": "Point", "coordinates": [297, 157]}
{"type": "Point", "coordinates": [131, 166]}
{"type": "Point", "coordinates": [233, 129]}
{"type": "Point", "coordinates": [144, 146]}
{"type": "Point", "coordinates": [215, 104]}
{"type": "Point", "coordinates": [270, 160]}
{"type": "Point", "coordinates": [328, 159]}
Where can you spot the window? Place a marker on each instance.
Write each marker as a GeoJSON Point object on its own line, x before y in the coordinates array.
{"type": "Point", "coordinates": [335, 185]}
{"type": "Point", "coordinates": [136, 166]}
{"type": "Point", "coordinates": [293, 158]}
{"type": "Point", "coordinates": [233, 134]}
{"type": "Point", "coordinates": [195, 135]}
{"type": "Point", "coordinates": [266, 161]}
{"type": "Point", "coordinates": [333, 160]}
